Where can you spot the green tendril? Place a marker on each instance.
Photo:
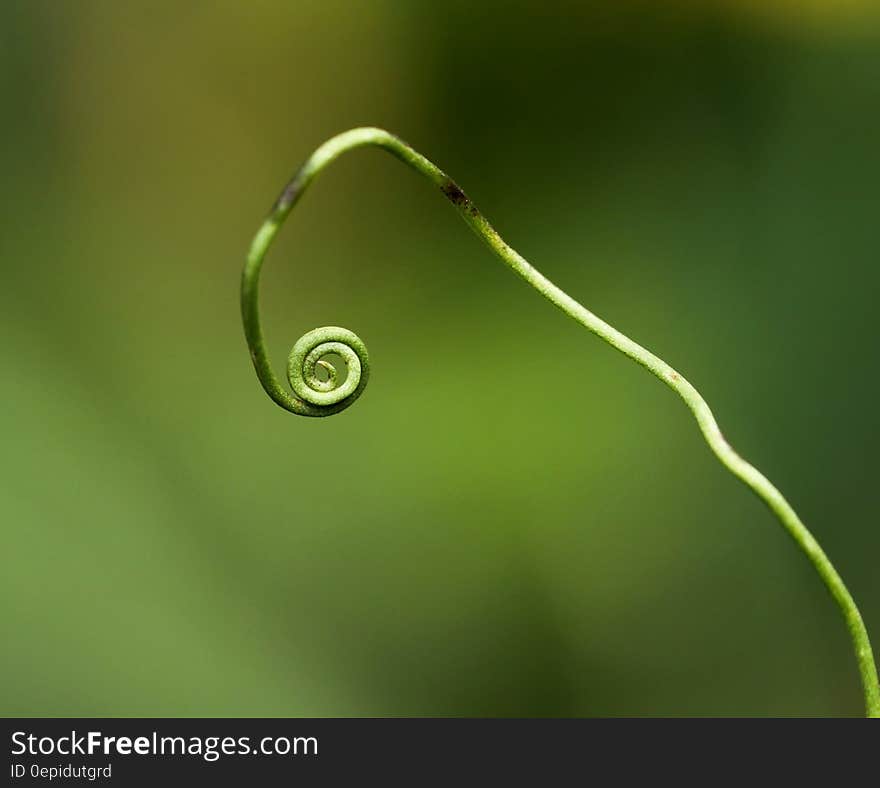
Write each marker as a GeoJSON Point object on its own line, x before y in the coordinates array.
{"type": "Point", "coordinates": [313, 396]}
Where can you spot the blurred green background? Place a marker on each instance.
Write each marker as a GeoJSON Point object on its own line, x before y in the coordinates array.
{"type": "Point", "coordinates": [705, 176]}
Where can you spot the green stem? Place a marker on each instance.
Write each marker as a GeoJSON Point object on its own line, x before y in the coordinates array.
{"type": "Point", "coordinates": [314, 396]}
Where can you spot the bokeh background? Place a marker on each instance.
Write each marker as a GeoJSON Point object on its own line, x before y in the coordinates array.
{"type": "Point", "coordinates": [514, 519]}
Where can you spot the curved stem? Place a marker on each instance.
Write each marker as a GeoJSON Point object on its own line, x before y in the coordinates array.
{"type": "Point", "coordinates": [315, 397]}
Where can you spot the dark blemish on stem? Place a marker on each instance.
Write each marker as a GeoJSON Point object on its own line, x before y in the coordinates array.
{"type": "Point", "coordinates": [286, 198]}
{"type": "Point", "coordinates": [458, 198]}
{"type": "Point", "coordinates": [290, 194]}
{"type": "Point", "coordinates": [454, 193]}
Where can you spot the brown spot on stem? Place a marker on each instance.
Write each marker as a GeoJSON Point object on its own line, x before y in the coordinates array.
{"type": "Point", "coordinates": [290, 194]}
{"type": "Point", "coordinates": [454, 193]}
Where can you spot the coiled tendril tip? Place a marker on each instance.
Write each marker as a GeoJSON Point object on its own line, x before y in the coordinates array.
{"type": "Point", "coordinates": [308, 355]}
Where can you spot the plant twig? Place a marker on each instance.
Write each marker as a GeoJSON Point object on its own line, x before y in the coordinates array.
{"type": "Point", "coordinates": [314, 396]}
